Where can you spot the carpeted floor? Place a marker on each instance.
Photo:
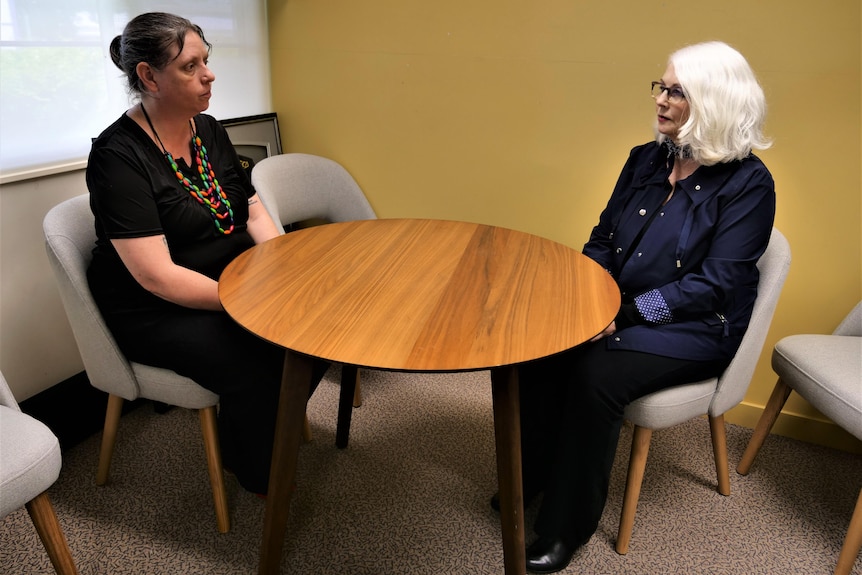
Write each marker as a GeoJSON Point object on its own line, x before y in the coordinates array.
{"type": "Point", "coordinates": [409, 496]}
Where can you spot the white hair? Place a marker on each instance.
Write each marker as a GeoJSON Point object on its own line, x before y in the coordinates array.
{"type": "Point", "coordinates": [727, 107]}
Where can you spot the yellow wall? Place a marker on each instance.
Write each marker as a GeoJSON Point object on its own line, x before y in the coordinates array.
{"type": "Point", "coordinates": [521, 114]}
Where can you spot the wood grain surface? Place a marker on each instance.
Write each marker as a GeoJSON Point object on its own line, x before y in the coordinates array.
{"type": "Point", "coordinates": [419, 295]}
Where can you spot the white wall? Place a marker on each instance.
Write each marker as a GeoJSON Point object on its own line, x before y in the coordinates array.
{"type": "Point", "coordinates": [36, 345]}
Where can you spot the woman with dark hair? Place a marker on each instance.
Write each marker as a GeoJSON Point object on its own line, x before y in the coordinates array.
{"type": "Point", "coordinates": [173, 207]}
{"type": "Point", "coordinates": [689, 217]}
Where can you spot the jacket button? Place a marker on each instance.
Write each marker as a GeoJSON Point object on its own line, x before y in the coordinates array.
{"type": "Point", "coordinates": [642, 212]}
{"type": "Point", "coordinates": [697, 187]}
{"type": "Point", "coordinates": [619, 250]}
{"type": "Point", "coordinates": [616, 338]}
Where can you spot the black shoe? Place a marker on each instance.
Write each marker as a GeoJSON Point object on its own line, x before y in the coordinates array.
{"type": "Point", "coordinates": [549, 556]}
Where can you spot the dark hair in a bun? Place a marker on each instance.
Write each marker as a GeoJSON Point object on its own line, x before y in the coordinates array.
{"type": "Point", "coordinates": [149, 38]}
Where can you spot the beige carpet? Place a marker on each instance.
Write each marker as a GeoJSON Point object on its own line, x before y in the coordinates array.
{"type": "Point", "coordinates": [410, 496]}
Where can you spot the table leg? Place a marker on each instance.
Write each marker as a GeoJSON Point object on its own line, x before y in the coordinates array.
{"type": "Point", "coordinates": [507, 430]}
{"type": "Point", "coordinates": [349, 377]}
{"type": "Point", "coordinates": [295, 385]}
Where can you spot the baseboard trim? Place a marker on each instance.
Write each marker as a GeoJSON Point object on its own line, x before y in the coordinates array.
{"type": "Point", "coordinates": [797, 426]}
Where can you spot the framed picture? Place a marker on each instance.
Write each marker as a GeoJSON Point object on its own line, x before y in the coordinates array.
{"type": "Point", "coordinates": [254, 137]}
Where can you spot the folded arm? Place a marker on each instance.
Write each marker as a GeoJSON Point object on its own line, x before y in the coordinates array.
{"type": "Point", "coordinates": [149, 261]}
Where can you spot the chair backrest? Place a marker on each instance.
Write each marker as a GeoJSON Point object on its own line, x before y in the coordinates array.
{"type": "Point", "coordinates": [852, 324]}
{"type": "Point", "coordinates": [69, 240]}
{"type": "Point", "coordinates": [6, 397]}
{"type": "Point", "coordinates": [733, 383]}
{"type": "Point", "coordinates": [300, 187]}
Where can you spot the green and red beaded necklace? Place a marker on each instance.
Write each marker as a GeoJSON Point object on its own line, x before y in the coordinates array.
{"type": "Point", "coordinates": [212, 196]}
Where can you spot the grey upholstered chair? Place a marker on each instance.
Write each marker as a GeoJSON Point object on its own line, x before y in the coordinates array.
{"type": "Point", "coordinates": [29, 464]}
{"type": "Point", "coordinates": [827, 371]}
{"type": "Point", "coordinates": [70, 237]}
{"type": "Point", "coordinates": [712, 397]}
{"type": "Point", "coordinates": [302, 187]}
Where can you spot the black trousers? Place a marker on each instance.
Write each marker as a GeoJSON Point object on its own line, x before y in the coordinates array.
{"type": "Point", "coordinates": [571, 413]}
{"type": "Point", "coordinates": [214, 351]}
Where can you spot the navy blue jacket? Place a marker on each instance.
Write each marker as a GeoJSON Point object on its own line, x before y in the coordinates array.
{"type": "Point", "coordinates": [692, 278]}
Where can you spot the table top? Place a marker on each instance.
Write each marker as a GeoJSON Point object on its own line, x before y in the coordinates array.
{"type": "Point", "coordinates": [419, 295]}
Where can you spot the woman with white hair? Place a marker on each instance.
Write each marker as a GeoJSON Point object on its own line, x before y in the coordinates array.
{"type": "Point", "coordinates": [689, 217]}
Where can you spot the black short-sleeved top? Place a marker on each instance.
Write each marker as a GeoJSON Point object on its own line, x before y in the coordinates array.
{"type": "Point", "coordinates": [134, 192]}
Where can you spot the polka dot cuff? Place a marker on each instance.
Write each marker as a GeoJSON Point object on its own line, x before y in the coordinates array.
{"type": "Point", "coordinates": [653, 308]}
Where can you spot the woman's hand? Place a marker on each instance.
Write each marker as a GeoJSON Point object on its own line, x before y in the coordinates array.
{"type": "Point", "coordinates": [610, 330]}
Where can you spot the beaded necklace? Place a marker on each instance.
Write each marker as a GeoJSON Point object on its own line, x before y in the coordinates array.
{"type": "Point", "coordinates": [213, 196]}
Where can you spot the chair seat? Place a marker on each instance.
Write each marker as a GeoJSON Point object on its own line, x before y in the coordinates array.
{"type": "Point", "coordinates": [673, 405]}
{"type": "Point", "coordinates": [169, 387]}
{"type": "Point", "coordinates": [827, 371]}
{"type": "Point", "coordinates": [30, 459]}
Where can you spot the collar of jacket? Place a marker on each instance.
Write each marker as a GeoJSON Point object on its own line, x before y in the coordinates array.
{"type": "Point", "coordinates": [698, 187]}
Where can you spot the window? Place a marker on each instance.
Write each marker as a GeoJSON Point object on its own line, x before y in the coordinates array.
{"type": "Point", "coordinates": [59, 87]}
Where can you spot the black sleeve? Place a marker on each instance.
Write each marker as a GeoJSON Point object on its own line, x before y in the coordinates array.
{"type": "Point", "coordinates": [629, 316]}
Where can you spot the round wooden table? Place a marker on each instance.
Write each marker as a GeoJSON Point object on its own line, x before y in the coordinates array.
{"type": "Point", "coordinates": [413, 295]}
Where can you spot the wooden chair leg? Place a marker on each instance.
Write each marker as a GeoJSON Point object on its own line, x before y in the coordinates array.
{"type": "Point", "coordinates": [719, 452]}
{"type": "Point", "coordinates": [852, 542]}
{"type": "Point", "coordinates": [637, 464]}
{"type": "Point", "coordinates": [45, 519]}
{"type": "Point", "coordinates": [357, 393]}
{"type": "Point", "coordinates": [346, 403]}
{"type": "Point", "coordinates": [109, 437]}
{"type": "Point", "coordinates": [779, 396]}
{"type": "Point", "coordinates": [306, 430]}
{"type": "Point", "coordinates": [213, 453]}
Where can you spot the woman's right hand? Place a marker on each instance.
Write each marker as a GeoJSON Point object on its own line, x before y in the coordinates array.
{"type": "Point", "coordinates": [610, 330]}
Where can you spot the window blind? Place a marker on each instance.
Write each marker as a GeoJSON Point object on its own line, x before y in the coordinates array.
{"type": "Point", "coordinates": [59, 87]}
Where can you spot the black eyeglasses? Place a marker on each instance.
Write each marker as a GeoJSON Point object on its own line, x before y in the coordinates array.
{"type": "Point", "coordinates": [674, 93]}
